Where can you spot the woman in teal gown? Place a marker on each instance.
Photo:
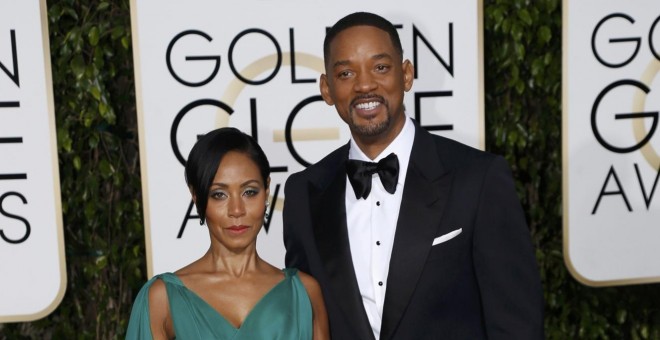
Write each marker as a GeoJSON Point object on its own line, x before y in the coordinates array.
{"type": "Point", "coordinates": [230, 292]}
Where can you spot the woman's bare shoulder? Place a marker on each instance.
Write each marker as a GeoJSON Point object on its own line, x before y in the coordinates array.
{"type": "Point", "coordinates": [311, 285]}
{"type": "Point", "coordinates": [157, 291]}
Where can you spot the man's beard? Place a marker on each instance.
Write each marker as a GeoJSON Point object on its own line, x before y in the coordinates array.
{"type": "Point", "coordinates": [371, 128]}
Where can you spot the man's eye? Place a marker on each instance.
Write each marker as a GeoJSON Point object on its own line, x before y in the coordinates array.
{"type": "Point", "coordinates": [382, 68]}
{"type": "Point", "coordinates": [344, 74]}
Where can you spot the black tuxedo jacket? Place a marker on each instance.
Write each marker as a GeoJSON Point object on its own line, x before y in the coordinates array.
{"type": "Point", "coordinates": [481, 284]}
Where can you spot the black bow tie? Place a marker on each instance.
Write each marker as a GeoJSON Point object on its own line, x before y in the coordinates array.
{"type": "Point", "coordinates": [360, 173]}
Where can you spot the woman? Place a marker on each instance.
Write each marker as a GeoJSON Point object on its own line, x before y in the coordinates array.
{"type": "Point", "coordinates": [230, 292]}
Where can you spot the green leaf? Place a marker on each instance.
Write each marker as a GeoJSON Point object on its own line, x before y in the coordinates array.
{"type": "Point", "coordinates": [88, 120]}
{"type": "Point", "coordinates": [101, 262]}
{"type": "Point", "coordinates": [64, 141]}
{"type": "Point", "coordinates": [77, 66]}
{"type": "Point", "coordinates": [76, 162]}
{"type": "Point", "coordinates": [517, 31]}
{"type": "Point", "coordinates": [498, 16]}
{"type": "Point", "coordinates": [523, 14]}
{"type": "Point", "coordinates": [545, 34]}
{"type": "Point", "coordinates": [103, 109]}
{"type": "Point", "coordinates": [93, 141]}
{"type": "Point", "coordinates": [96, 92]}
{"type": "Point", "coordinates": [537, 67]}
{"type": "Point", "coordinates": [90, 210]}
{"type": "Point", "coordinates": [105, 169]}
{"type": "Point", "coordinates": [117, 32]}
{"type": "Point", "coordinates": [520, 51]}
{"type": "Point", "coordinates": [71, 12]}
{"type": "Point", "coordinates": [520, 86]}
{"type": "Point", "coordinates": [547, 58]}
{"type": "Point", "coordinates": [54, 13]}
{"type": "Point", "coordinates": [93, 35]}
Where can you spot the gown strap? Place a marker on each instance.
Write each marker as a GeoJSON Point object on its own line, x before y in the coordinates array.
{"type": "Point", "coordinates": [169, 278]}
{"type": "Point", "coordinates": [290, 272]}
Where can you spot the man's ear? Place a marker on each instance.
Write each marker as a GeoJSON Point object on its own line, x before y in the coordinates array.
{"type": "Point", "coordinates": [408, 75]}
{"type": "Point", "coordinates": [325, 90]}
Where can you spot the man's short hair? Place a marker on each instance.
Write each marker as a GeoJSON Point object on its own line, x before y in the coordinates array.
{"type": "Point", "coordinates": [361, 19]}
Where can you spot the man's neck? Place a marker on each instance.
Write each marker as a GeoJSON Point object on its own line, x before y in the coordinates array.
{"type": "Point", "coordinates": [372, 149]}
{"type": "Point", "coordinates": [372, 146]}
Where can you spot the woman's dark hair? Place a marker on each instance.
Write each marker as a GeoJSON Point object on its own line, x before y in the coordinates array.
{"type": "Point", "coordinates": [206, 155]}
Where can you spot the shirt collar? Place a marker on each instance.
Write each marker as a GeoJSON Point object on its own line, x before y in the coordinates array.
{"type": "Point", "coordinates": [401, 146]}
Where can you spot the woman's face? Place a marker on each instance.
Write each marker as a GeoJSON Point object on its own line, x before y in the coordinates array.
{"type": "Point", "coordinates": [237, 202]}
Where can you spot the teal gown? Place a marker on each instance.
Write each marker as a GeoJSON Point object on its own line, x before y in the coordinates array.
{"type": "Point", "coordinates": [285, 312]}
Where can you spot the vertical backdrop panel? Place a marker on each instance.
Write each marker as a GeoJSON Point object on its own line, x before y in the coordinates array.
{"type": "Point", "coordinates": [32, 264]}
{"type": "Point", "coordinates": [611, 100]}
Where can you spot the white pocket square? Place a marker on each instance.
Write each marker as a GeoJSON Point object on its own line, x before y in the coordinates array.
{"type": "Point", "coordinates": [446, 237]}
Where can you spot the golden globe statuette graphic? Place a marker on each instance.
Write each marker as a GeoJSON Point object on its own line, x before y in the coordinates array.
{"type": "Point", "coordinates": [259, 67]}
{"type": "Point", "coordinates": [639, 105]}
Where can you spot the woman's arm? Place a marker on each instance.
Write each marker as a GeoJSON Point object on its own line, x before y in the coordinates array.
{"type": "Point", "coordinates": [159, 311]}
{"type": "Point", "coordinates": [320, 316]}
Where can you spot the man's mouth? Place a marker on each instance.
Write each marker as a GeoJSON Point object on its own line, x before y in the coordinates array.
{"type": "Point", "coordinates": [367, 105]}
{"type": "Point", "coordinates": [367, 102]}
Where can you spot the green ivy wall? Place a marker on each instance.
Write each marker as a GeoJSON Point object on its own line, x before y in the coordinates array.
{"type": "Point", "coordinates": [93, 84]}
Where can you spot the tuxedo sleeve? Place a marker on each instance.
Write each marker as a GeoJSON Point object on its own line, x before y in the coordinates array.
{"type": "Point", "coordinates": [294, 223]}
{"type": "Point", "coordinates": [504, 260]}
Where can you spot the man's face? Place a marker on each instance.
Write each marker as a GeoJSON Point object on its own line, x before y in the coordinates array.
{"type": "Point", "coordinates": [365, 81]}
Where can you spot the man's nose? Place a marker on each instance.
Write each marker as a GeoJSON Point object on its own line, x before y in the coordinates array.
{"type": "Point", "coordinates": [365, 82]}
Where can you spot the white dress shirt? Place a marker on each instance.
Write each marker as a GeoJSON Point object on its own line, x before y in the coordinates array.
{"type": "Point", "coordinates": [372, 223]}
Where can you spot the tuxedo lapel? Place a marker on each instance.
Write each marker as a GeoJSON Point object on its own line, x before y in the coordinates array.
{"type": "Point", "coordinates": [425, 194]}
{"type": "Point", "coordinates": [331, 236]}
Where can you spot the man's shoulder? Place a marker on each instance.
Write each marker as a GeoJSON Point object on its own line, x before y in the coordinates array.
{"type": "Point", "coordinates": [459, 154]}
{"type": "Point", "coordinates": [323, 170]}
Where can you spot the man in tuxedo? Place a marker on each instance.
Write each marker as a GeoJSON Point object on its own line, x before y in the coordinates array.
{"type": "Point", "coordinates": [410, 235]}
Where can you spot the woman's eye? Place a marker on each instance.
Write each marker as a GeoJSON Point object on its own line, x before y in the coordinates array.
{"type": "Point", "coordinates": [218, 195]}
{"type": "Point", "coordinates": [251, 192]}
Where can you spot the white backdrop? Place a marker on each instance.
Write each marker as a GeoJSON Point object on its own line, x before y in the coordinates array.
{"type": "Point", "coordinates": [32, 264]}
{"type": "Point", "coordinates": [611, 144]}
{"type": "Point", "coordinates": [255, 65]}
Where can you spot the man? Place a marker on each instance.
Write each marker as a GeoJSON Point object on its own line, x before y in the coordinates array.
{"type": "Point", "coordinates": [440, 250]}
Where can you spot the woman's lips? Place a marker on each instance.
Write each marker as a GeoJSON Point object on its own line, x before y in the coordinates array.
{"type": "Point", "coordinates": [238, 229]}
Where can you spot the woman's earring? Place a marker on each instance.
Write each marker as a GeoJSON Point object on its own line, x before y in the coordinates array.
{"type": "Point", "coordinates": [266, 214]}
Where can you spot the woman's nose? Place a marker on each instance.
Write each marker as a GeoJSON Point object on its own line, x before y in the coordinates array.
{"type": "Point", "coordinates": [236, 207]}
